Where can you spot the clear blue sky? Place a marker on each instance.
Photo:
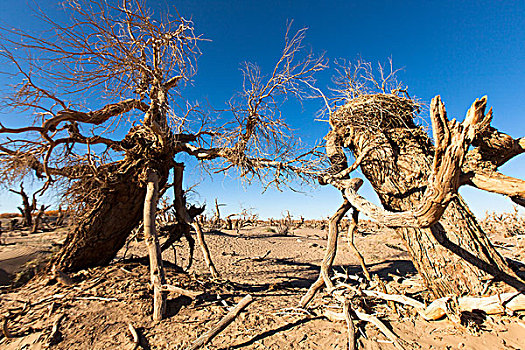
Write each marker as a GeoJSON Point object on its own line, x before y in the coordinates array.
{"type": "Point", "coordinates": [458, 49]}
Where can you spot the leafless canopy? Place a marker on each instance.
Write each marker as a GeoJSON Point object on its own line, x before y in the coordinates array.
{"type": "Point", "coordinates": [108, 66]}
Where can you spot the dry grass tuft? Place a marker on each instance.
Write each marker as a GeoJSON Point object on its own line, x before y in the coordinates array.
{"type": "Point", "coordinates": [510, 224]}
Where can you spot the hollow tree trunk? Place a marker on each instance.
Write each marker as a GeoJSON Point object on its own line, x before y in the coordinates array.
{"type": "Point", "coordinates": [398, 166]}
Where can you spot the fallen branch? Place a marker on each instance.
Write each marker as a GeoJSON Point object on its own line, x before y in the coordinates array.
{"type": "Point", "coordinates": [223, 323]}
{"type": "Point", "coordinates": [349, 325]}
{"type": "Point", "coordinates": [495, 304]}
{"type": "Point", "coordinates": [54, 336]}
{"type": "Point", "coordinates": [181, 291]}
{"type": "Point", "coordinates": [334, 316]}
{"type": "Point", "coordinates": [204, 248]}
{"type": "Point", "coordinates": [379, 324]}
{"type": "Point", "coordinates": [135, 335]}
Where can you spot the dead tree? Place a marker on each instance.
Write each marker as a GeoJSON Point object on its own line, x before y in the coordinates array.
{"type": "Point", "coordinates": [60, 217]}
{"type": "Point", "coordinates": [136, 62]}
{"type": "Point", "coordinates": [38, 218]}
{"type": "Point", "coordinates": [417, 183]}
{"type": "Point", "coordinates": [27, 208]}
{"type": "Point", "coordinates": [217, 216]}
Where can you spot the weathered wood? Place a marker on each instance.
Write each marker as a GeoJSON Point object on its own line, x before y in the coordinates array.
{"type": "Point", "coordinates": [415, 181]}
{"type": "Point", "coordinates": [27, 208]}
{"type": "Point", "coordinates": [495, 304]}
{"type": "Point", "coordinates": [331, 315]}
{"type": "Point", "coordinates": [38, 218]}
{"type": "Point", "coordinates": [204, 248]}
{"type": "Point", "coordinates": [352, 228]}
{"type": "Point", "coordinates": [158, 278]}
{"type": "Point", "coordinates": [331, 249]}
{"type": "Point", "coordinates": [349, 325]}
{"type": "Point", "coordinates": [181, 291]}
{"type": "Point", "coordinates": [223, 323]}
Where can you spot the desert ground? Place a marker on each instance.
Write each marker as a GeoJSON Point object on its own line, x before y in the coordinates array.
{"type": "Point", "coordinates": [97, 308]}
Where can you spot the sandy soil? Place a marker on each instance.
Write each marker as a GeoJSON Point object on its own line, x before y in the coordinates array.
{"type": "Point", "coordinates": [95, 311]}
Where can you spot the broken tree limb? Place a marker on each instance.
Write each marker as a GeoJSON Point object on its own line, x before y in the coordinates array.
{"type": "Point", "coordinates": [349, 325]}
{"type": "Point", "coordinates": [334, 316]}
{"type": "Point", "coordinates": [134, 335]}
{"type": "Point", "coordinates": [381, 326]}
{"type": "Point", "coordinates": [223, 323]}
{"type": "Point", "coordinates": [331, 248]}
{"type": "Point", "coordinates": [181, 291]}
{"type": "Point", "coordinates": [204, 248]}
{"type": "Point", "coordinates": [495, 304]}
{"type": "Point", "coordinates": [352, 228]}
{"type": "Point", "coordinates": [152, 242]}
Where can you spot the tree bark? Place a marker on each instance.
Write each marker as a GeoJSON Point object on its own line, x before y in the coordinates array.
{"type": "Point", "coordinates": [157, 275]}
{"type": "Point", "coordinates": [114, 210]}
{"type": "Point", "coordinates": [100, 232]}
{"type": "Point", "coordinates": [398, 167]}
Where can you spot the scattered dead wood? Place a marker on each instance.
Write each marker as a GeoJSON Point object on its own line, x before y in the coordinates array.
{"type": "Point", "coordinates": [223, 323]}
{"type": "Point", "coordinates": [334, 316]}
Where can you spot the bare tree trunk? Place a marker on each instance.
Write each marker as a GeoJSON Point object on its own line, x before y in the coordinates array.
{"type": "Point", "coordinates": [152, 242]}
{"type": "Point", "coordinates": [204, 249]}
{"type": "Point", "coordinates": [331, 249]}
{"type": "Point", "coordinates": [184, 216]}
{"type": "Point", "coordinates": [27, 208]}
{"type": "Point", "coordinates": [38, 218]}
{"type": "Point", "coordinates": [352, 228]}
{"type": "Point", "coordinates": [398, 167]}
{"type": "Point", "coordinates": [101, 231]}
